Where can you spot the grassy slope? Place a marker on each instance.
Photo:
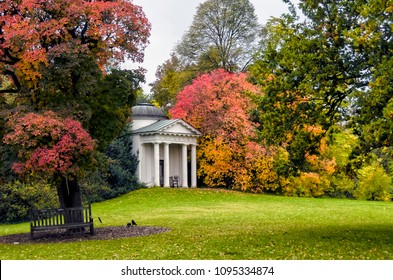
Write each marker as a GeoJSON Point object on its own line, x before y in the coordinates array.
{"type": "Point", "coordinates": [209, 224]}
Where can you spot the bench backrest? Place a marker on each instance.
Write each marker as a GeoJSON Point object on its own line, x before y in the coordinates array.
{"type": "Point", "coordinates": [57, 217]}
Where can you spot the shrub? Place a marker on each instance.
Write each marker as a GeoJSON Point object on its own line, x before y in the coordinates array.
{"type": "Point", "coordinates": [374, 183]}
{"type": "Point", "coordinates": [342, 186]}
{"type": "Point", "coordinates": [16, 199]}
{"type": "Point", "coordinates": [308, 184]}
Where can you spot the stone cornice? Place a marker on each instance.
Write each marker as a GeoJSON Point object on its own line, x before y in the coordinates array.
{"type": "Point", "coordinates": [170, 138]}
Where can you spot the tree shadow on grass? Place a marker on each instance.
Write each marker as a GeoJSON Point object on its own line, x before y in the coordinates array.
{"type": "Point", "coordinates": [342, 242]}
{"type": "Point", "coordinates": [373, 241]}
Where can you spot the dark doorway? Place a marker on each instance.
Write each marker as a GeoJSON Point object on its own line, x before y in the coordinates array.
{"type": "Point", "coordinates": [161, 172]}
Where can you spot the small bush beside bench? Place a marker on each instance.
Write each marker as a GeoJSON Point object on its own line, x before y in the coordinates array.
{"type": "Point", "coordinates": [69, 218]}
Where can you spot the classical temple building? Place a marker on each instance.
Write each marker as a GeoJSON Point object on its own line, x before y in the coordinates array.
{"type": "Point", "coordinates": [166, 148]}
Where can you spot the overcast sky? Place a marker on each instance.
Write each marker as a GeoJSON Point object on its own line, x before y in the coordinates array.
{"type": "Point", "coordinates": [170, 19]}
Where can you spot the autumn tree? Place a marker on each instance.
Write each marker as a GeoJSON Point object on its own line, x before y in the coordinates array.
{"type": "Point", "coordinates": [33, 32]}
{"type": "Point", "coordinates": [60, 56]}
{"type": "Point", "coordinates": [51, 147]}
{"type": "Point", "coordinates": [219, 105]}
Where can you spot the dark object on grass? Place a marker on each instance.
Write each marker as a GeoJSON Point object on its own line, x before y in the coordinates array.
{"type": "Point", "coordinates": [133, 223]}
{"type": "Point", "coordinates": [129, 225]}
{"type": "Point", "coordinates": [100, 220]}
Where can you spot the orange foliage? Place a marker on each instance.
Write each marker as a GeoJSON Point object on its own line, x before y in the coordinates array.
{"type": "Point", "coordinates": [31, 31]}
{"type": "Point", "coordinates": [257, 174]}
{"type": "Point", "coordinates": [218, 104]}
{"type": "Point", "coordinates": [315, 182]}
{"type": "Point", "coordinates": [215, 162]}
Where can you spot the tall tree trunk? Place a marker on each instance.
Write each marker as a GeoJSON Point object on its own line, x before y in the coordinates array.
{"type": "Point", "coordinates": [70, 196]}
{"type": "Point", "coordinates": [69, 193]}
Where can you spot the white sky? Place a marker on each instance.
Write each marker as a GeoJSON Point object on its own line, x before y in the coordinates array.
{"type": "Point", "coordinates": [170, 19]}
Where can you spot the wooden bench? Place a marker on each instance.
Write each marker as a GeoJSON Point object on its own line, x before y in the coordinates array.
{"type": "Point", "coordinates": [69, 218]}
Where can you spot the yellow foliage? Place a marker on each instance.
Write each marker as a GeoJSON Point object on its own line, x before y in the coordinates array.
{"type": "Point", "coordinates": [247, 168]}
{"type": "Point", "coordinates": [264, 174]}
{"type": "Point", "coordinates": [215, 158]}
{"type": "Point", "coordinates": [308, 184]}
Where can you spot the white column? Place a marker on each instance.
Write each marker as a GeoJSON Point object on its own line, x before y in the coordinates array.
{"type": "Point", "coordinates": [184, 167]}
{"type": "Point", "coordinates": [193, 167]}
{"type": "Point", "coordinates": [141, 162]}
{"type": "Point", "coordinates": [156, 164]}
{"type": "Point", "coordinates": [166, 165]}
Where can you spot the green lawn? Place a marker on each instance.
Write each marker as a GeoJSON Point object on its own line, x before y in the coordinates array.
{"type": "Point", "coordinates": [210, 224]}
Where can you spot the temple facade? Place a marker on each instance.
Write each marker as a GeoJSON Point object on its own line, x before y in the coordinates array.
{"type": "Point", "coordinates": [166, 148]}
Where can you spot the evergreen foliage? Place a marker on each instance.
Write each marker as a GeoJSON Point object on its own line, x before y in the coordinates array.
{"type": "Point", "coordinates": [115, 175]}
{"type": "Point", "coordinates": [123, 164]}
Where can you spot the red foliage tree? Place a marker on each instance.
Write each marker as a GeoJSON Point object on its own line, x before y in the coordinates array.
{"type": "Point", "coordinates": [52, 147]}
{"type": "Point", "coordinates": [219, 105]}
{"type": "Point", "coordinates": [32, 31]}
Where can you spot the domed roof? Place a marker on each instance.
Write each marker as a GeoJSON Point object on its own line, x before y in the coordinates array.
{"type": "Point", "coordinates": [147, 111]}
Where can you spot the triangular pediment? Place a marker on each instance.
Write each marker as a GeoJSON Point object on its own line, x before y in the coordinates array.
{"type": "Point", "coordinates": [180, 127]}
{"type": "Point", "coordinates": [174, 126]}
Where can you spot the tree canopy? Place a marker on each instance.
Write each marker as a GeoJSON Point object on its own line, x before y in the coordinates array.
{"type": "Point", "coordinates": [33, 33]}
{"type": "Point", "coordinates": [223, 34]}
{"type": "Point", "coordinates": [219, 105]}
{"type": "Point", "coordinates": [48, 144]}
{"type": "Point", "coordinates": [315, 69]}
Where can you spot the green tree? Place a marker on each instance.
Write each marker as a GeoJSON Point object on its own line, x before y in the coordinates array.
{"type": "Point", "coordinates": [373, 120]}
{"type": "Point", "coordinates": [111, 105]}
{"type": "Point", "coordinates": [123, 164]}
{"type": "Point", "coordinates": [310, 69]}
{"type": "Point", "coordinates": [223, 34]}
{"type": "Point", "coordinates": [171, 78]}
